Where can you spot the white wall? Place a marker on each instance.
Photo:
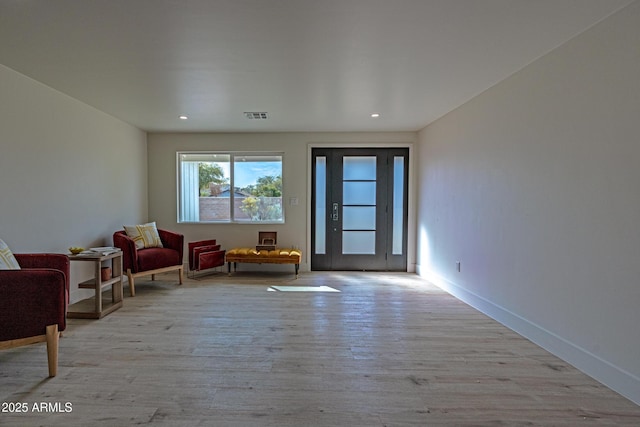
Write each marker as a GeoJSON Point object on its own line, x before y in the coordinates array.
{"type": "Point", "coordinates": [162, 150]}
{"type": "Point", "coordinates": [69, 174]}
{"type": "Point", "coordinates": [533, 187]}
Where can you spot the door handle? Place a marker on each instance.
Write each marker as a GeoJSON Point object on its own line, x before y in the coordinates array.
{"type": "Point", "coordinates": [334, 215]}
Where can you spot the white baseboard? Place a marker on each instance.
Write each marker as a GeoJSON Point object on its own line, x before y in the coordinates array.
{"type": "Point", "coordinates": [617, 379]}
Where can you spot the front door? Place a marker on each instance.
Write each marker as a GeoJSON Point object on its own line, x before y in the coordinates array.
{"type": "Point", "coordinates": [359, 209]}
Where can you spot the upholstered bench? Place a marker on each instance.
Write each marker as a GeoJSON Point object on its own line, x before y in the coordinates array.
{"type": "Point", "coordinates": [251, 255]}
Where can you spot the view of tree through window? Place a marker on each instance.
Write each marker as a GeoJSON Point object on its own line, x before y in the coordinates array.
{"type": "Point", "coordinates": [225, 187]}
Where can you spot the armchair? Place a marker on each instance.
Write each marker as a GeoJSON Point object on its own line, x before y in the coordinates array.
{"type": "Point", "coordinates": [33, 307]}
{"type": "Point", "coordinates": [150, 261]}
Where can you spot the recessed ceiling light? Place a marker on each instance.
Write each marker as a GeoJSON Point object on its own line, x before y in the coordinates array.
{"type": "Point", "coordinates": [375, 115]}
{"type": "Point", "coordinates": [183, 117]}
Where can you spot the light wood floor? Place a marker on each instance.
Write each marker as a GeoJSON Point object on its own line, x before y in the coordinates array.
{"type": "Point", "coordinates": [388, 350]}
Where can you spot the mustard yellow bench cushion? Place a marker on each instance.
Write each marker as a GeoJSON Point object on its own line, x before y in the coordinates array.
{"type": "Point", "coordinates": [276, 256]}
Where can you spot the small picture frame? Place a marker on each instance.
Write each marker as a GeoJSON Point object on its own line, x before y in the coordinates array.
{"type": "Point", "coordinates": [267, 240]}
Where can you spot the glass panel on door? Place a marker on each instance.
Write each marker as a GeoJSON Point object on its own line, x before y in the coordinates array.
{"type": "Point", "coordinates": [359, 218]}
{"type": "Point", "coordinates": [398, 205]}
{"type": "Point", "coordinates": [359, 193]}
{"type": "Point", "coordinates": [321, 204]}
{"type": "Point", "coordinates": [359, 168]}
{"type": "Point", "coordinates": [358, 242]}
{"type": "Point", "coordinates": [359, 205]}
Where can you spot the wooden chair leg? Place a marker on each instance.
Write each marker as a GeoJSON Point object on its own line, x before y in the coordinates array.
{"type": "Point", "coordinates": [52, 349]}
{"type": "Point", "coordinates": [132, 287]}
{"type": "Point", "coordinates": [180, 274]}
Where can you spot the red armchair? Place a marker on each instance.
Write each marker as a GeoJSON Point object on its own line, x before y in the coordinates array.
{"type": "Point", "coordinates": [150, 261]}
{"type": "Point", "coordinates": [205, 254]}
{"type": "Point", "coordinates": [34, 302]}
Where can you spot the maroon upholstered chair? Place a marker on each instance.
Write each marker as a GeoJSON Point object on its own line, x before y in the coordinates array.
{"type": "Point", "coordinates": [150, 261]}
{"type": "Point", "coordinates": [33, 303]}
{"type": "Point", "coordinates": [205, 254]}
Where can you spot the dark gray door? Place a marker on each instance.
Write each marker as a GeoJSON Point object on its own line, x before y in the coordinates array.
{"type": "Point", "coordinates": [359, 209]}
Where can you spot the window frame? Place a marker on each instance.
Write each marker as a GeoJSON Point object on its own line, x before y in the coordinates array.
{"type": "Point", "coordinates": [232, 160]}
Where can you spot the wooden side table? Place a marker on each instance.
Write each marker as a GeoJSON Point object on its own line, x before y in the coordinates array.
{"type": "Point", "coordinates": [82, 309]}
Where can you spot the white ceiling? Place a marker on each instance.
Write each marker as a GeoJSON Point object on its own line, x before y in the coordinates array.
{"type": "Point", "coordinates": [313, 65]}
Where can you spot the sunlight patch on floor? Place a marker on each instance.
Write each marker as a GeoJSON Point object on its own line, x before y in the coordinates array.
{"type": "Point", "coordinates": [302, 289]}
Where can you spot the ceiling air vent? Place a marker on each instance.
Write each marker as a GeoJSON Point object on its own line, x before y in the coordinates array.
{"type": "Point", "coordinates": [255, 115]}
